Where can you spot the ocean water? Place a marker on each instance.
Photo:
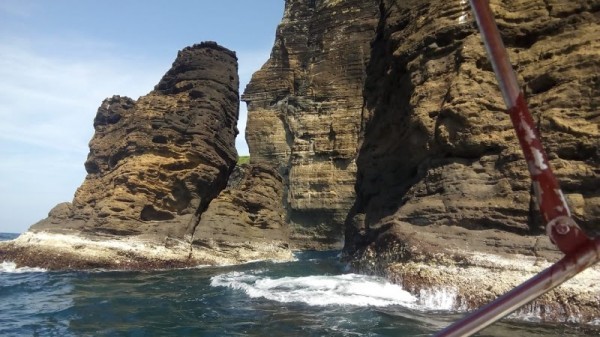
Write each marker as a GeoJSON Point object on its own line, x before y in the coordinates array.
{"type": "Point", "coordinates": [313, 296]}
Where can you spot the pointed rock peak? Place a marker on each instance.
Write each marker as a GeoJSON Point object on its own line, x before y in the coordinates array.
{"type": "Point", "coordinates": [206, 61]}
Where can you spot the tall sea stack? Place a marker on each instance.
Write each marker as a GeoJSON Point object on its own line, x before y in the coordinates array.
{"type": "Point", "coordinates": [154, 167]}
{"type": "Point", "coordinates": [156, 163]}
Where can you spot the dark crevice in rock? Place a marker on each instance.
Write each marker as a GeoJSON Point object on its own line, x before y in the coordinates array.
{"type": "Point", "coordinates": [160, 139]}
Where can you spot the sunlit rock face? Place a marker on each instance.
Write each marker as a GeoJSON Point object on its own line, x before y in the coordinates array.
{"type": "Point", "coordinates": [440, 174]}
{"type": "Point", "coordinates": [304, 111]}
{"type": "Point", "coordinates": [161, 189]}
{"type": "Point", "coordinates": [156, 163]}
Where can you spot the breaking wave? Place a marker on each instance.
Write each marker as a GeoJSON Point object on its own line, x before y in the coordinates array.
{"type": "Point", "coordinates": [11, 267]}
{"type": "Point", "coordinates": [347, 289]}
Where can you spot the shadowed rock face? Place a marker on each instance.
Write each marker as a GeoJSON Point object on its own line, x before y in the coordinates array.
{"type": "Point", "coordinates": [156, 163]}
{"type": "Point", "coordinates": [248, 212]}
{"type": "Point", "coordinates": [440, 174]}
{"type": "Point", "coordinates": [438, 147]}
{"type": "Point", "coordinates": [304, 109]}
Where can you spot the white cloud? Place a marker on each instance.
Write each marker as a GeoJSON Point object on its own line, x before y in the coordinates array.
{"type": "Point", "coordinates": [51, 101]}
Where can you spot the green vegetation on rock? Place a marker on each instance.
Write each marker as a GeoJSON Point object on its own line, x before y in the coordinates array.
{"type": "Point", "coordinates": [243, 160]}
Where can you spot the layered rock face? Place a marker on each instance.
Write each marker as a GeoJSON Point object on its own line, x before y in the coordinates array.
{"type": "Point", "coordinates": [156, 163]}
{"type": "Point", "coordinates": [304, 108]}
{"type": "Point", "coordinates": [441, 179]}
{"type": "Point", "coordinates": [154, 167]}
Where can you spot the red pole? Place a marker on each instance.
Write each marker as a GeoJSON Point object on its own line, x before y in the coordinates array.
{"type": "Point", "coordinates": [555, 275]}
{"type": "Point", "coordinates": [581, 252]}
{"type": "Point", "coordinates": [560, 227]}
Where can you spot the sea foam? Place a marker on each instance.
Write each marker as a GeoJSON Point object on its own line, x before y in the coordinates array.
{"type": "Point", "coordinates": [442, 299]}
{"type": "Point", "coordinates": [11, 267]}
{"type": "Point", "coordinates": [347, 289]}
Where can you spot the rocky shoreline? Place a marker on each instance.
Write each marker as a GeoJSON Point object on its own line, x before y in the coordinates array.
{"type": "Point", "coordinates": [78, 251]}
{"type": "Point", "coordinates": [455, 280]}
{"type": "Point", "coordinates": [464, 280]}
{"type": "Point", "coordinates": [481, 278]}
{"type": "Point", "coordinates": [466, 269]}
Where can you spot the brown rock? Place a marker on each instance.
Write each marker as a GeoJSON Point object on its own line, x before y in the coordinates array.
{"type": "Point", "coordinates": [156, 163]}
{"type": "Point", "coordinates": [304, 109]}
{"type": "Point", "coordinates": [440, 173]}
{"type": "Point", "coordinates": [438, 148]}
{"type": "Point", "coordinates": [154, 167]}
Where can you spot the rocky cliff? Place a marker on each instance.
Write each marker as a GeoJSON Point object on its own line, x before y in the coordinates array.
{"type": "Point", "coordinates": [383, 116]}
{"type": "Point", "coordinates": [304, 108]}
{"type": "Point", "coordinates": [398, 98]}
{"type": "Point", "coordinates": [156, 163]}
{"type": "Point", "coordinates": [154, 167]}
{"type": "Point", "coordinates": [443, 196]}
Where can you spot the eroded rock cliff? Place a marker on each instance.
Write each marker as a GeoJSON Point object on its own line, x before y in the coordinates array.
{"type": "Point", "coordinates": [304, 108]}
{"type": "Point", "coordinates": [156, 163]}
{"type": "Point", "coordinates": [443, 192]}
{"type": "Point", "coordinates": [154, 167]}
{"type": "Point", "coordinates": [394, 100]}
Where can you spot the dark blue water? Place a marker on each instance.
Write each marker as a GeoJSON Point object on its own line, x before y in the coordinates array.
{"type": "Point", "coordinates": [313, 296]}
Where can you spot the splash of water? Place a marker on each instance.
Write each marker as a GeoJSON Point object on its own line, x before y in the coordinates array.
{"type": "Point", "coordinates": [443, 299]}
{"type": "Point", "coordinates": [347, 289]}
{"type": "Point", "coordinates": [11, 267]}
{"type": "Point", "coordinates": [464, 11]}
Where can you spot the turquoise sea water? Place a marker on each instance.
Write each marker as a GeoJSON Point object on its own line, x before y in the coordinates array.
{"type": "Point", "coordinates": [313, 296]}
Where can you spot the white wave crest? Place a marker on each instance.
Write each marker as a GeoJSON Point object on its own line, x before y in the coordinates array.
{"type": "Point", "coordinates": [11, 267]}
{"type": "Point", "coordinates": [348, 289]}
{"type": "Point", "coordinates": [443, 299]}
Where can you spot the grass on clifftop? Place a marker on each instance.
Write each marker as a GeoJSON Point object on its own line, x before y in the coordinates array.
{"type": "Point", "coordinates": [243, 160]}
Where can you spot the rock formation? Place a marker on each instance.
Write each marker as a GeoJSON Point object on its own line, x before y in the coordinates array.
{"type": "Point", "coordinates": [382, 116]}
{"type": "Point", "coordinates": [154, 167]}
{"type": "Point", "coordinates": [443, 193]}
{"type": "Point", "coordinates": [156, 163]}
{"type": "Point", "coordinates": [304, 108]}
{"type": "Point", "coordinates": [248, 213]}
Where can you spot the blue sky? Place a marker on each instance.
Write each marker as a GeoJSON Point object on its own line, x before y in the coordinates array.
{"type": "Point", "coordinates": [59, 59]}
